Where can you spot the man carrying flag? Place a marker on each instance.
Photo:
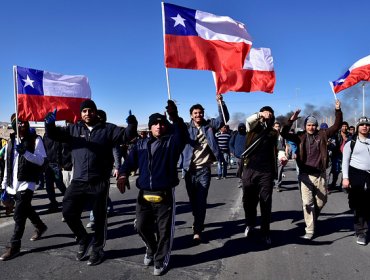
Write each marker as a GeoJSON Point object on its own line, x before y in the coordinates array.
{"type": "Point", "coordinates": [91, 142]}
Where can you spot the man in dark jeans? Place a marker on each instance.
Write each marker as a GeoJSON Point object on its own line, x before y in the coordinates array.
{"type": "Point", "coordinates": [91, 143]}
{"type": "Point", "coordinates": [24, 157]}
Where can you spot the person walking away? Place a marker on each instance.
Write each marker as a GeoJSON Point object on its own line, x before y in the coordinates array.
{"type": "Point", "coordinates": [282, 157]}
{"type": "Point", "coordinates": [236, 145]}
{"type": "Point", "coordinates": [223, 139]}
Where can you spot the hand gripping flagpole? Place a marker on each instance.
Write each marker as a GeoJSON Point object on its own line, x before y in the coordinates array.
{"type": "Point", "coordinates": [219, 101]}
{"type": "Point", "coordinates": [164, 47]}
{"type": "Point", "coordinates": [15, 80]}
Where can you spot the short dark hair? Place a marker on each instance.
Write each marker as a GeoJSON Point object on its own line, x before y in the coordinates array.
{"type": "Point", "coordinates": [196, 106]}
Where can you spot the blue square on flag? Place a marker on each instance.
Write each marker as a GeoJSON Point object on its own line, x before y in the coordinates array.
{"type": "Point", "coordinates": [179, 20]}
{"type": "Point", "coordinates": [30, 81]}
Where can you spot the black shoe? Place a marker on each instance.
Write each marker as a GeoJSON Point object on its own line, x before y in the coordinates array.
{"type": "Point", "coordinates": [83, 248]}
{"type": "Point", "coordinates": [361, 239]}
{"type": "Point", "coordinates": [10, 253]}
{"type": "Point", "coordinates": [39, 232]}
{"type": "Point", "coordinates": [96, 257]}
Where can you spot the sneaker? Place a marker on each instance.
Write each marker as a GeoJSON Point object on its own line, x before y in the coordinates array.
{"type": "Point", "coordinates": [218, 178]}
{"type": "Point", "coordinates": [248, 230]}
{"type": "Point", "coordinates": [90, 225]}
{"type": "Point", "coordinates": [84, 249]}
{"type": "Point", "coordinates": [96, 257]}
{"type": "Point", "coordinates": [158, 270]}
{"type": "Point", "coordinates": [361, 239]}
{"type": "Point", "coordinates": [278, 189]}
{"type": "Point", "coordinates": [63, 220]}
{"type": "Point", "coordinates": [10, 253]}
{"type": "Point", "coordinates": [308, 236]}
{"type": "Point", "coordinates": [39, 232]}
{"type": "Point", "coordinates": [148, 260]}
{"type": "Point", "coordinates": [197, 238]}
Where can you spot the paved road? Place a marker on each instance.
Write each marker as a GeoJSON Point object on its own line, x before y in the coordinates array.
{"type": "Point", "coordinates": [225, 254]}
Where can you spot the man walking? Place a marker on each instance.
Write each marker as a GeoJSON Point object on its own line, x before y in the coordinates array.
{"type": "Point", "coordinates": [91, 143]}
{"type": "Point", "coordinates": [199, 154]}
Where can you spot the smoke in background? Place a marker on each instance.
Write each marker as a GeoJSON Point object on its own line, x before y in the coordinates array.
{"type": "Point", "coordinates": [351, 104]}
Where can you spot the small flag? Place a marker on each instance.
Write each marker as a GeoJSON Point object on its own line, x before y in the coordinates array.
{"type": "Point", "coordinates": [198, 40]}
{"type": "Point", "coordinates": [40, 92]}
{"type": "Point", "coordinates": [360, 71]}
{"type": "Point", "coordinates": [257, 74]}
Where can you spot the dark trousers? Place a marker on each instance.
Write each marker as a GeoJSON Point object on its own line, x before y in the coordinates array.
{"type": "Point", "coordinates": [77, 195]}
{"type": "Point", "coordinates": [279, 179]}
{"type": "Point", "coordinates": [54, 175]}
{"type": "Point", "coordinates": [23, 210]}
{"type": "Point", "coordinates": [155, 223]}
{"type": "Point", "coordinates": [197, 184]}
{"type": "Point", "coordinates": [257, 187]}
{"type": "Point", "coordinates": [359, 199]}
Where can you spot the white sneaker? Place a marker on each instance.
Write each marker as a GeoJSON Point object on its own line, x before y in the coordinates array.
{"type": "Point", "coordinates": [148, 260]}
{"type": "Point", "coordinates": [158, 270]}
{"type": "Point", "coordinates": [247, 231]}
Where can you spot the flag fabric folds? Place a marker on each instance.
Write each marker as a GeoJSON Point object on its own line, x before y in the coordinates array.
{"type": "Point", "coordinates": [360, 71]}
{"type": "Point", "coordinates": [257, 74]}
{"type": "Point", "coordinates": [40, 92]}
{"type": "Point", "coordinates": [198, 40]}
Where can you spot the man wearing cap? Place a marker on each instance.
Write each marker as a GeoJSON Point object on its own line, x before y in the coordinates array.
{"type": "Point", "coordinates": [198, 156]}
{"type": "Point", "coordinates": [312, 160]}
{"type": "Point", "coordinates": [356, 178]}
{"type": "Point", "coordinates": [156, 157]}
{"type": "Point", "coordinates": [259, 170]}
{"type": "Point", "coordinates": [24, 156]}
{"type": "Point", "coordinates": [91, 143]}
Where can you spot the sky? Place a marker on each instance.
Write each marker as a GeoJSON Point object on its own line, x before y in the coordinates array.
{"type": "Point", "coordinates": [118, 45]}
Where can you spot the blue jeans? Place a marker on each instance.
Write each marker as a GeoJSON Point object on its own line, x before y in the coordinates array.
{"type": "Point", "coordinates": [223, 161]}
{"type": "Point", "coordinates": [197, 184]}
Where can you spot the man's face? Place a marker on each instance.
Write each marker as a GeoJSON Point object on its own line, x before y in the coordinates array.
{"type": "Point", "coordinates": [352, 130]}
{"type": "Point", "coordinates": [88, 115]}
{"type": "Point", "coordinates": [311, 128]}
{"type": "Point", "coordinates": [158, 129]}
{"type": "Point", "coordinates": [344, 128]}
{"type": "Point", "coordinates": [197, 116]}
{"type": "Point", "coordinates": [364, 129]}
{"type": "Point", "coordinates": [223, 129]}
{"type": "Point", "coordinates": [22, 128]}
{"type": "Point", "coordinates": [277, 126]}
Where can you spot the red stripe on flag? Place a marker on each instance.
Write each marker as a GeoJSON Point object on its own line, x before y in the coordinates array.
{"type": "Point", "coordinates": [357, 75]}
{"type": "Point", "coordinates": [246, 81]}
{"type": "Point", "coordinates": [35, 107]}
{"type": "Point", "coordinates": [193, 52]}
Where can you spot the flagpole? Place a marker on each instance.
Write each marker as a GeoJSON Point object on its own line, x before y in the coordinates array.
{"type": "Point", "coordinates": [219, 101]}
{"type": "Point", "coordinates": [363, 99]}
{"type": "Point", "coordinates": [164, 48]}
{"type": "Point", "coordinates": [15, 81]}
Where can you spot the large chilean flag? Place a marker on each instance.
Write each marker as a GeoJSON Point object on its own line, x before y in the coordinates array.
{"type": "Point", "coordinates": [40, 92]}
{"type": "Point", "coordinates": [198, 40]}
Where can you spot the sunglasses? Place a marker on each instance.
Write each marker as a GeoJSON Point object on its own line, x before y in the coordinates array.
{"type": "Point", "coordinates": [364, 124]}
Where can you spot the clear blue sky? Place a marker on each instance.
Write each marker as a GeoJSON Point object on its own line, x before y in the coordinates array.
{"type": "Point", "coordinates": [119, 45]}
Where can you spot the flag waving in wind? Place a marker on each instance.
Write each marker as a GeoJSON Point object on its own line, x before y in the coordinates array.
{"type": "Point", "coordinates": [360, 71]}
{"type": "Point", "coordinates": [198, 40]}
{"type": "Point", "coordinates": [40, 92]}
{"type": "Point", "coordinates": [257, 74]}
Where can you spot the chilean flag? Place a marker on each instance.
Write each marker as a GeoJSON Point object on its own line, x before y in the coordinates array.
{"type": "Point", "coordinates": [257, 74]}
{"type": "Point", "coordinates": [198, 40]}
{"type": "Point", "coordinates": [360, 71]}
{"type": "Point", "coordinates": [40, 92]}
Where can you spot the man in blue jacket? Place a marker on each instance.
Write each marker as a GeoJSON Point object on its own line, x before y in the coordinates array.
{"type": "Point", "coordinates": [91, 143]}
{"type": "Point", "coordinates": [198, 156]}
{"type": "Point", "coordinates": [156, 158]}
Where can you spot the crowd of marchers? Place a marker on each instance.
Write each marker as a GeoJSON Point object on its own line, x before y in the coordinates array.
{"type": "Point", "coordinates": [80, 158]}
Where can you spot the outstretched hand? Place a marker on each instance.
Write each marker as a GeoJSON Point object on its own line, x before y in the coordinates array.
{"type": "Point", "coordinates": [131, 119]}
{"type": "Point", "coordinates": [171, 110]}
{"type": "Point", "coordinates": [51, 117]}
{"type": "Point", "coordinates": [294, 117]}
{"type": "Point", "coordinates": [337, 104]}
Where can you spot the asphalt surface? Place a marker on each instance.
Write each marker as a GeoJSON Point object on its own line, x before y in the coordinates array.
{"type": "Point", "coordinates": [224, 254]}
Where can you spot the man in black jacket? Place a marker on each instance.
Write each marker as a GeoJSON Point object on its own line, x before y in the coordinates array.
{"type": "Point", "coordinates": [91, 143]}
{"type": "Point", "coordinates": [157, 157]}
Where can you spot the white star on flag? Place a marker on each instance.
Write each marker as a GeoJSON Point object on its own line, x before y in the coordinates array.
{"type": "Point", "coordinates": [28, 82]}
{"type": "Point", "coordinates": [179, 20]}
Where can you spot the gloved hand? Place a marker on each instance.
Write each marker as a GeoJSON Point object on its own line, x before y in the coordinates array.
{"type": "Point", "coordinates": [51, 117]}
{"type": "Point", "coordinates": [20, 148]}
{"type": "Point", "coordinates": [131, 119]}
{"type": "Point", "coordinates": [172, 110]}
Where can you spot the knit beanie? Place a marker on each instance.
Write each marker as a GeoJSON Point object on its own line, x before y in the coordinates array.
{"type": "Point", "coordinates": [156, 118]}
{"type": "Point", "coordinates": [267, 108]}
{"type": "Point", "coordinates": [88, 103]}
{"type": "Point", "coordinates": [311, 119]}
